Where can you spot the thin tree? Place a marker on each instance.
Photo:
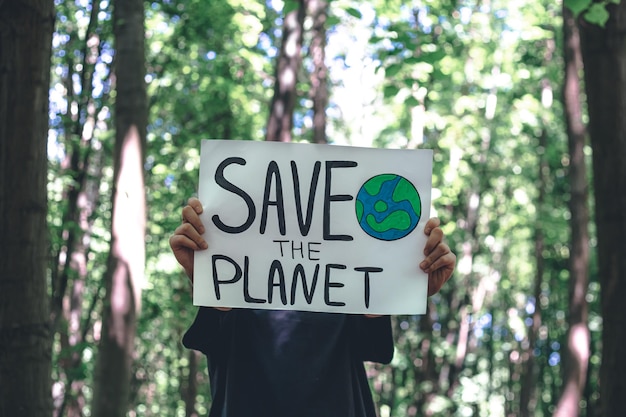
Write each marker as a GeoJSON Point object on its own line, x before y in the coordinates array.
{"type": "Point", "coordinates": [280, 122]}
{"type": "Point", "coordinates": [82, 162]}
{"type": "Point", "coordinates": [604, 60]}
{"type": "Point", "coordinates": [577, 349]}
{"type": "Point", "coordinates": [528, 386]}
{"type": "Point", "coordinates": [528, 390]}
{"type": "Point", "coordinates": [25, 339]}
{"type": "Point", "coordinates": [126, 260]}
{"type": "Point", "coordinates": [318, 10]}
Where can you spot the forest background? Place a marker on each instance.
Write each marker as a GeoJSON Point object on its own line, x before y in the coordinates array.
{"type": "Point", "coordinates": [103, 107]}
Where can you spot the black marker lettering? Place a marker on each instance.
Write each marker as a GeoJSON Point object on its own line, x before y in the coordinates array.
{"type": "Point", "coordinates": [273, 172]}
{"type": "Point", "coordinates": [328, 198]}
{"type": "Point", "coordinates": [328, 285]}
{"type": "Point", "coordinates": [276, 267]}
{"type": "Point", "coordinates": [311, 250]}
{"type": "Point", "coordinates": [308, 292]}
{"type": "Point", "coordinates": [295, 249]}
{"type": "Point", "coordinates": [305, 224]}
{"type": "Point", "coordinates": [367, 271]}
{"type": "Point", "coordinates": [216, 281]}
{"type": "Point", "coordinates": [246, 291]}
{"type": "Point", "coordinates": [280, 242]}
{"type": "Point", "coordinates": [229, 186]}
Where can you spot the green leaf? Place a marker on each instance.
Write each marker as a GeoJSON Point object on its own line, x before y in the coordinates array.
{"type": "Point", "coordinates": [354, 12]}
{"type": "Point", "coordinates": [433, 57]}
{"type": "Point", "coordinates": [409, 82]}
{"type": "Point", "coordinates": [290, 6]}
{"type": "Point", "coordinates": [427, 57]}
{"type": "Point", "coordinates": [412, 101]}
{"type": "Point", "coordinates": [332, 21]}
{"type": "Point", "coordinates": [390, 91]}
{"type": "Point", "coordinates": [412, 60]}
{"type": "Point", "coordinates": [577, 6]}
{"type": "Point", "coordinates": [392, 70]}
{"type": "Point", "coordinates": [405, 38]}
{"type": "Point", "coordinates": [597, 14]}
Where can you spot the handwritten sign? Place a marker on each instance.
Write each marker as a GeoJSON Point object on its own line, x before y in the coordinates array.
{"type": "Point", "coordinates": [313, 227]}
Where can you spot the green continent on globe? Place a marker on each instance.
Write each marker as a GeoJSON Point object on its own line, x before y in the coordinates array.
{"type": "Point", "coordinates": [388, 207]}
{"type": "Point", "coordinates": [359, 209]}
{"type": "Point", "coordinates": [399, 220]}
{"type": "Point", "coordinates": [380, 206]}
{"type": "Point", "coordinates": [374, 184]}
{"type": "Point", "coordinates": [406, 191]}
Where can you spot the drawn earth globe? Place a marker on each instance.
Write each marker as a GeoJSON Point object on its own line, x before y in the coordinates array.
{"type": "Point", "coordinates": [388, 207]}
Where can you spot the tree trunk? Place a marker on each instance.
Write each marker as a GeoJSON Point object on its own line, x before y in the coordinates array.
{"type": "Point", "coordinates": [25, 342]}
{"type": "Point", "coordinates": [427, 373]}
{"type": "Point", "coordinates": [318, 9]}
{"type": "Point", "coordinates": [125, 266]}
{"type": "Point", "coordinates": [576, 351]}
{"type": "Point", "coordinates": [76, 163]}
{"type": "Point", "coordinates": [470, 247]}
{"type": "Point", "coordinates": [528, 389]}
{"type": "Point", "coordinates": [83, 164]}
{"type": "Point", "coordinates": [604, 57]}
{"type": "Point", "coordinates": [190, 386]}
{"type": "Point", "coordinates": [280, 122]}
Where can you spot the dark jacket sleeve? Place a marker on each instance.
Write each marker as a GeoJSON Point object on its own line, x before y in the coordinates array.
{"type": "Point", "coordinates": [205, 332]}
{"type": "Point", "coordinates": [372, 338]}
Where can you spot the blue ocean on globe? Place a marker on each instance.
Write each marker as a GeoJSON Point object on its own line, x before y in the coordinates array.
{"type": "Point", "coordinates": [388, 207]}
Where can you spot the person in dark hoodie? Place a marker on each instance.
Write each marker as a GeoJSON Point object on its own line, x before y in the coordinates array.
{"type": "Point", "coordinates": [275, 363]}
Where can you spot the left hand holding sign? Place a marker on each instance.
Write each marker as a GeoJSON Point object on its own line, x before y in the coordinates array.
{"type": "Point", "coordinates": [187, 237]}
{"type": "Point", "coordinates": [439, 262]}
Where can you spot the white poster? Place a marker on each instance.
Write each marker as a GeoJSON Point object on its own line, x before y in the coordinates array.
{"type": "Point", "coordinates": [313, 227]}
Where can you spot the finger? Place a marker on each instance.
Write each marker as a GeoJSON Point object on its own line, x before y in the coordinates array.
{"type": "Point", "coordinates": [190, 215]}
{"type": "Point", "coordinates": [431, 224]}
{"type": "Point", "coordinates": [445, 262]}
{"type": "Point", "coordinates": [182, 242]}
{"type": "Point", "coordinates": [437, 280]}
{"type": "Point", "coordinates": [440, 250]}
{"type": "Point", "coordinates": [190, 231]}
{"type": "Point", "coordinates": [435, 238]}
{"type": "Point", "coordinates": [195, 204]}
{"type": "Point", "coordinates": [434, 286]}
{"type": "Point", "coordinates": [187, 232]}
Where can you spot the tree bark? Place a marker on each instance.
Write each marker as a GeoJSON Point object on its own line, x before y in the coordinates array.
{"type": "Point", "coordinates": [125, 266]}
{"type": "Point", "coordinates": [25, 339]}
{"type": "Point", "coordinates": [69, 270]}
{"type": "Point", "coordinates": [528, 391]}
{"type": "Point", "coordinates": [76, 163]}
{"type": "Point", "coordinates": [190, 385]}
{"type": "Point", "coordinates": [318, 9]}
{"type": "Point", "coordinates": [280, 122]}
{"type": "Point", "coordinates": [576, 352]}
{"type": "Point", "coordinates": [528, 388]}
{"type": "Point", "coordinates": [604, 58]}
